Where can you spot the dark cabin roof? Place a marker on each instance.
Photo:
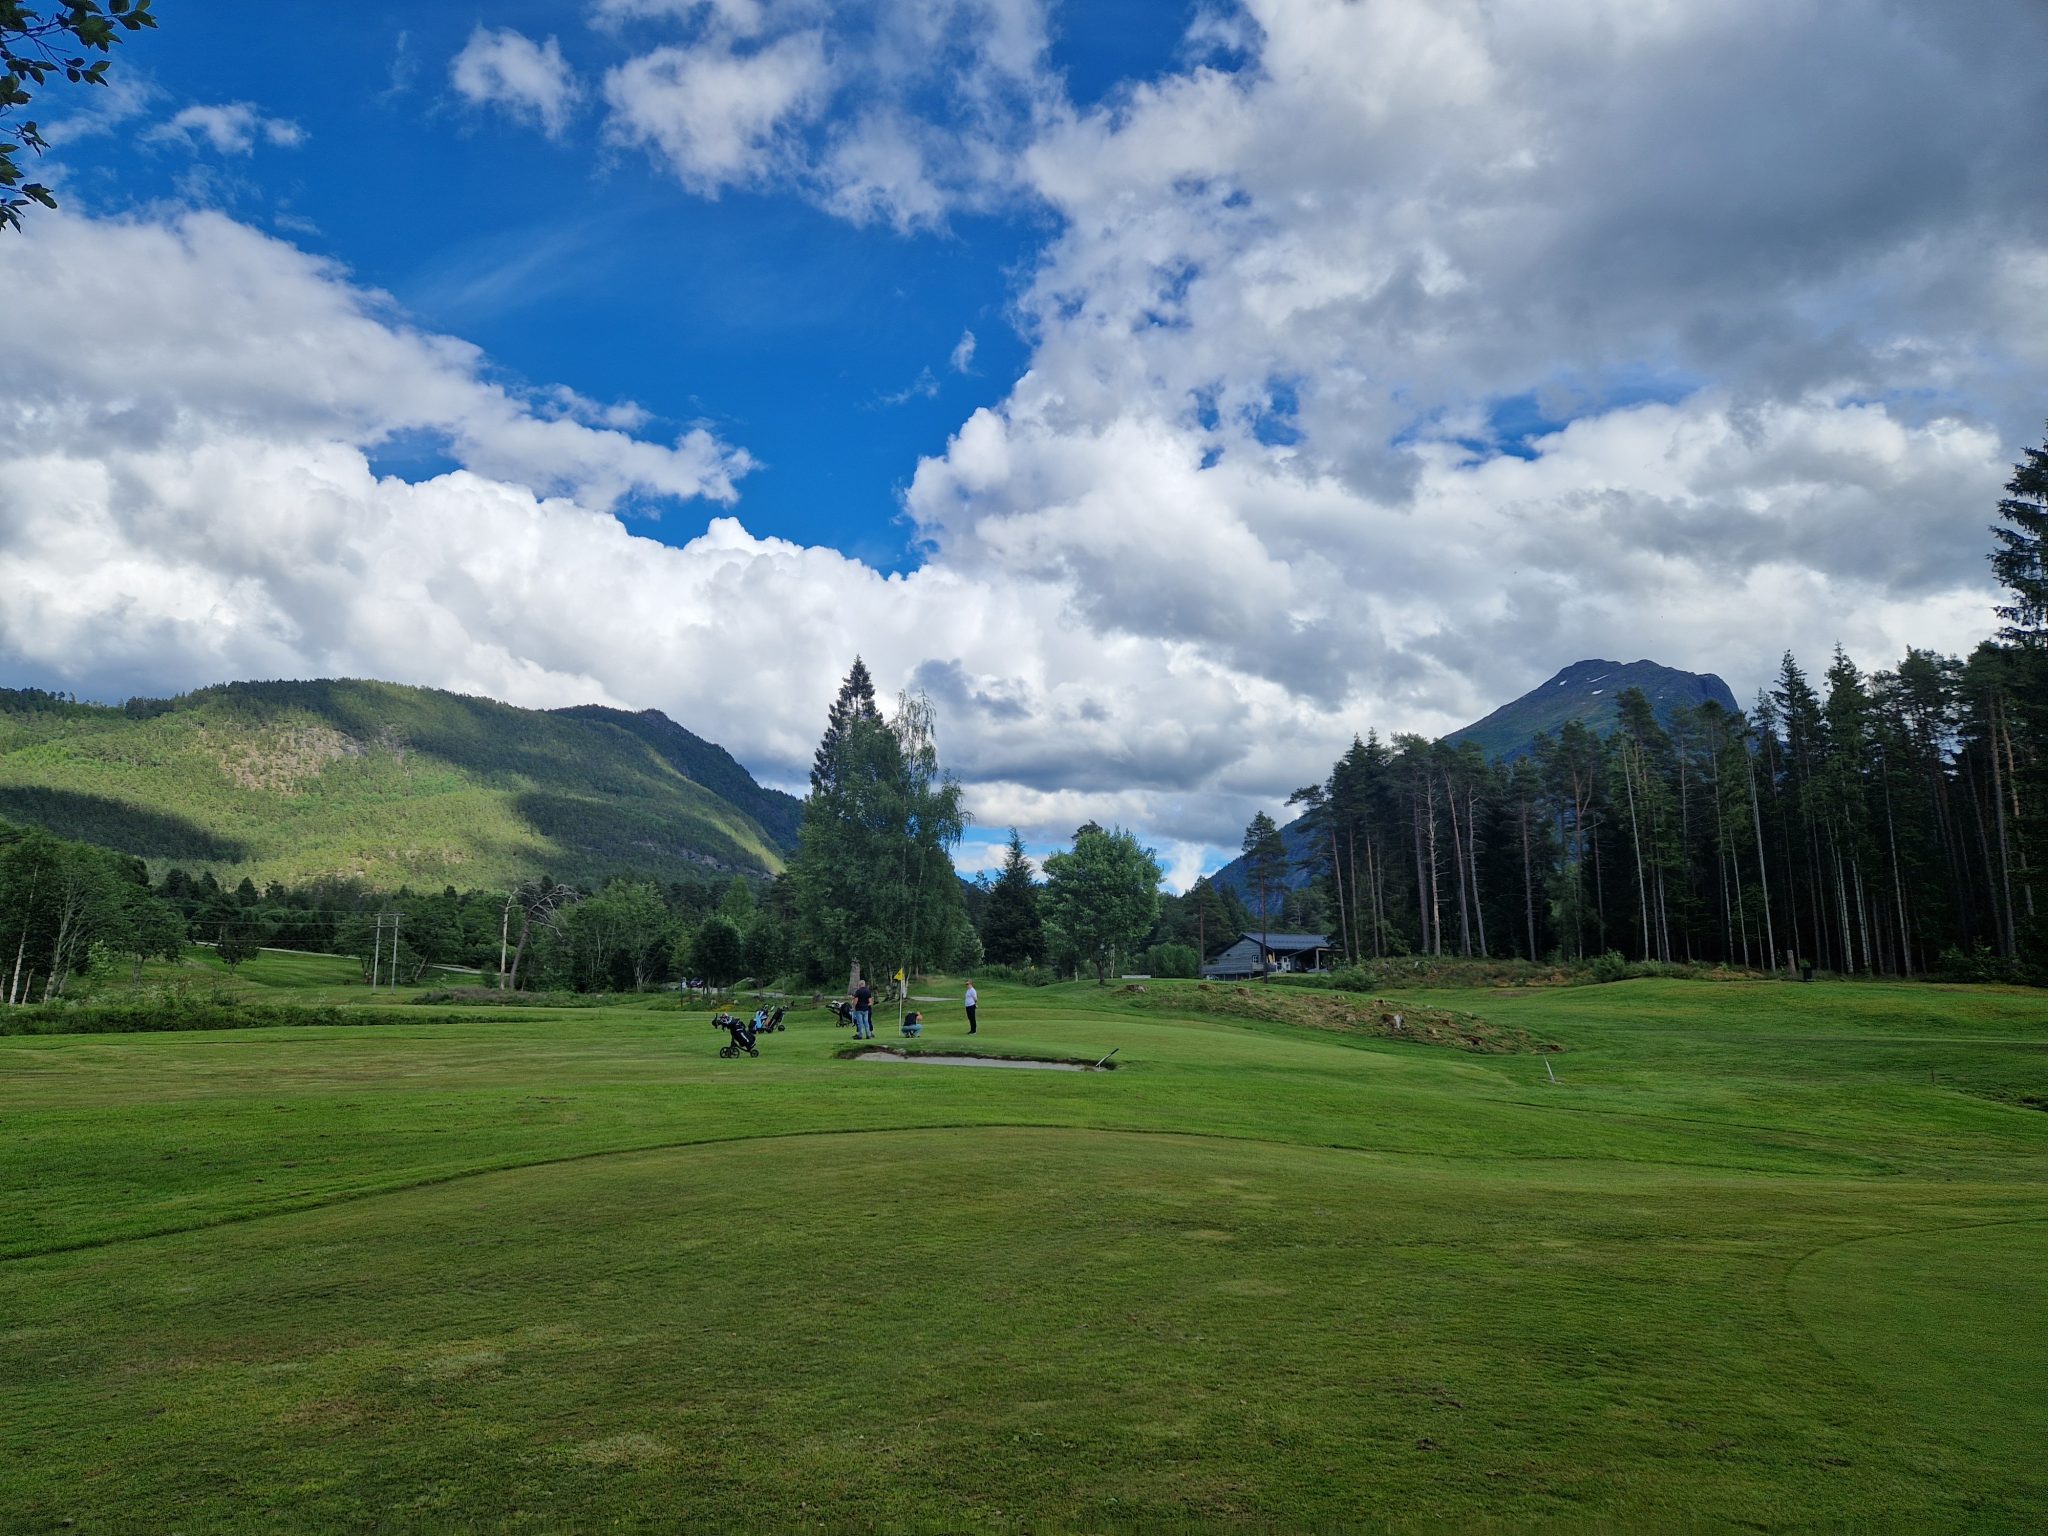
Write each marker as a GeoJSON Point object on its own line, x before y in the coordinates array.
{"type": "Point", "coordinates": [1289, 943]}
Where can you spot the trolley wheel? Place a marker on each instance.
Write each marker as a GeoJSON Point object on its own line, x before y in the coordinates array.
{"type": "Point", "coordinates": [752, 1052]}
{"type": "Point", "coordinates": [727, 1052]}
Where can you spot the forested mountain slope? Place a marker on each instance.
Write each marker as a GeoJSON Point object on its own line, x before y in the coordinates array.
{"type": "Point", "coordinates": [775, 812]}
{"type": "Point", "coordinates": [1585, 691]}
{"type": "Point", "coordinates": [293, 780]}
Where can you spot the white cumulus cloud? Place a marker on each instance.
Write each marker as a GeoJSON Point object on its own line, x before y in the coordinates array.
{"type": "Point", "coordinates": [1383, 359]}
{"type": "Point", "coordinates": [528, 80]}
{"type": "Point", "coordinates": [231, 128]}
{"type": "Point", "coordinates": [720, 117]}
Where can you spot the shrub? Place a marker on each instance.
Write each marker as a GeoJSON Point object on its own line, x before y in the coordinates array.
{"type": "Point", "coordinates": [1608, 967]}
{"type": "Point", "coordinates": [1022, 975]}
{"type": "Point", "coordinates": [165, 1008]}
{"type": "Point", "coordinates": [1173, 960]}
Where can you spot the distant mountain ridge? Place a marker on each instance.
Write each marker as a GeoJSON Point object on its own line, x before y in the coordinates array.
{"type": "Point", "coordinates": [389, 783]}
{"type": "Point", "coordinates": [1586, 691]}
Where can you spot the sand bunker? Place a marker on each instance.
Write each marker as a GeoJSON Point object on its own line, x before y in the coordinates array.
{"type": "Point", "coordinates": [979, 1061]}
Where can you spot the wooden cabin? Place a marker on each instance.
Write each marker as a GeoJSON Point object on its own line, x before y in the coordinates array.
{"type": "Point", "coordinates": [1283, 954]}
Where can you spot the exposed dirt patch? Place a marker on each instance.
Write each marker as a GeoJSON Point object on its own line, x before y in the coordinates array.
{"type": "Point", "coordinates": [285, 759]}
{"type": "Point", "coordinates": [1344, 1014]}
{"type": "Point", "coordinates": [936, 1060]}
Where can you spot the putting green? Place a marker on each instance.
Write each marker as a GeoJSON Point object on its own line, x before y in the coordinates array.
{"type": "Point", "coordinates": [576, 1272]}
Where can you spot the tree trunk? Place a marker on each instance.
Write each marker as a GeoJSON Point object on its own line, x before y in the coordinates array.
{"type": "Point", "coordinates": [2008, 932]}
{"type": "Point", "coordinates": [1891, 837]}
{"type": "Point", "coordinates": [1628, 780]}
{"type": "Point", "coordinates": [1472, 856]}
{"type": "Point", "coordinates": [1421, 881]}
{"type": "Point", "coordinates": [1528, 883]}
{"type": "Point", "coordinates": [1763, 874]}
{"type": "Point", "coordinates": [1458, 857]}
{"type": "Point", "coordinates": [1436, 916]}
{"type": "Point", "coordinates": [1337, 876]}
{"type": "Point", "coordinates": [518, 954]}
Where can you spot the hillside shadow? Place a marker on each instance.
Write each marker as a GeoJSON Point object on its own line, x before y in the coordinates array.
{"type": "Point", "coordinates": [605, 833]}
{"type": "Point", "coordinates": [116, 824]}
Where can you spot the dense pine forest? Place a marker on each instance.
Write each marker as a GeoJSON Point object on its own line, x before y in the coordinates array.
{"type": "Point", "coordinates": [1886, 824]}
{"type": "Point", "coordinates": [1874, 824]}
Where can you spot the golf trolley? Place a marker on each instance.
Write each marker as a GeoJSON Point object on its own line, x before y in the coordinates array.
{"type": "Point", "coordinates": [766, 1023]}
{"type": "Point", "coordinates": [842, 1013]}
{"type": "Point", "coordinates": [742, 1032]}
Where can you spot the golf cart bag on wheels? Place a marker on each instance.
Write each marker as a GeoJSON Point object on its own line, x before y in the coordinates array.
{"type": "Point", "coordinates": [766, 1023]}
{"type": "Point", "coordinates": [742, 1033]}
{"type": "Point", "coordinates": [842, 1013]}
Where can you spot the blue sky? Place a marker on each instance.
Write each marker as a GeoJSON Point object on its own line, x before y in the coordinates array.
{"type": "Point", "coordinates": [1333, 365]}
{"type": "Point", "coordinates": [798, 334]}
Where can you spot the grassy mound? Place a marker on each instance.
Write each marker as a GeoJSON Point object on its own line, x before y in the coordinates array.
{"type": "Point", "coordinates": [1339, 1013]}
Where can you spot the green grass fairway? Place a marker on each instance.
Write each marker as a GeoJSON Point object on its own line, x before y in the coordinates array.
{"type": "Point", "coordinates": [1763, 1256]}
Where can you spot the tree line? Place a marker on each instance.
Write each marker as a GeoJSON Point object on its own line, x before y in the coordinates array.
{"type": "Point", "coordinates": [1880, 824]}
{"type": "Point", "coordinates": [71, 911]}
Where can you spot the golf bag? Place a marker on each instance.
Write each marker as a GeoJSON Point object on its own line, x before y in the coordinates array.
{"type": "Point", "coordinates": [842, 1013]}
{"type": "Point", "coordinates": [742, 1034]}
{"type": "Point", "coordinates": [766, 1023]}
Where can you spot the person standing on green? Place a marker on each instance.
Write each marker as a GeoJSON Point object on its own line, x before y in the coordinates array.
{"type": "Point", "coordinates": [970, 1000]}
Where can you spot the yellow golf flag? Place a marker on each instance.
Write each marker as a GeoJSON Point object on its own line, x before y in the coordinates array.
{"type": "Point", "coordinates": [899, 973]}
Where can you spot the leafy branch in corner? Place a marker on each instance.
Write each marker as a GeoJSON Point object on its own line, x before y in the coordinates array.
{"type": "Point", "coordinates": [35, 44]}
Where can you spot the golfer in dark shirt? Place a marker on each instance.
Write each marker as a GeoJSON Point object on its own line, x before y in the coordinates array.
{"type": "Point", "coordinates": [863, 1012]}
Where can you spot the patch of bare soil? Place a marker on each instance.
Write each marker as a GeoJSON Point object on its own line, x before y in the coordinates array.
{"type": "Point", "coordinates": [285, 759]}
{"type": "Point", "coordinates": [1344, 1014]}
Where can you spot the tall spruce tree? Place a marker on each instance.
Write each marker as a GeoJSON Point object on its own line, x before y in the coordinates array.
{"type": "Point", "coordinates": [855, 704]}
{"type": "Point", "coordinates": [844, 853]}
{"type": "Point", "coordinates": [872, 873]}
{"type": "Point", "coordinates": [1206, 909]}
{"type": "Point", "coordinates": [1265, 856]}
{"type": "Point", "coordinates": [1011, 931]}
{"type": "Point", "coordinates": [2021, 559]}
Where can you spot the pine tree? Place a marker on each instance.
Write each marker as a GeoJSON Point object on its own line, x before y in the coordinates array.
{"type": "Point", "coordinates": [1265, 857]}
{"type": "Point", "coordinates": [1207, 909]}
{"type": "Point", "coordinates": [873, 879]}
{"type": "Point", "coordinates": [1011, 932]}
{"type": "Point", "coordinates": [2021, 559]}
{"type": "Point", "coordinates": [856, 702]}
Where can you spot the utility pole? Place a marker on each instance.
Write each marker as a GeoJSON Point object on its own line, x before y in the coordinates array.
{"type": "Point", "coordinates": [376, 951]}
